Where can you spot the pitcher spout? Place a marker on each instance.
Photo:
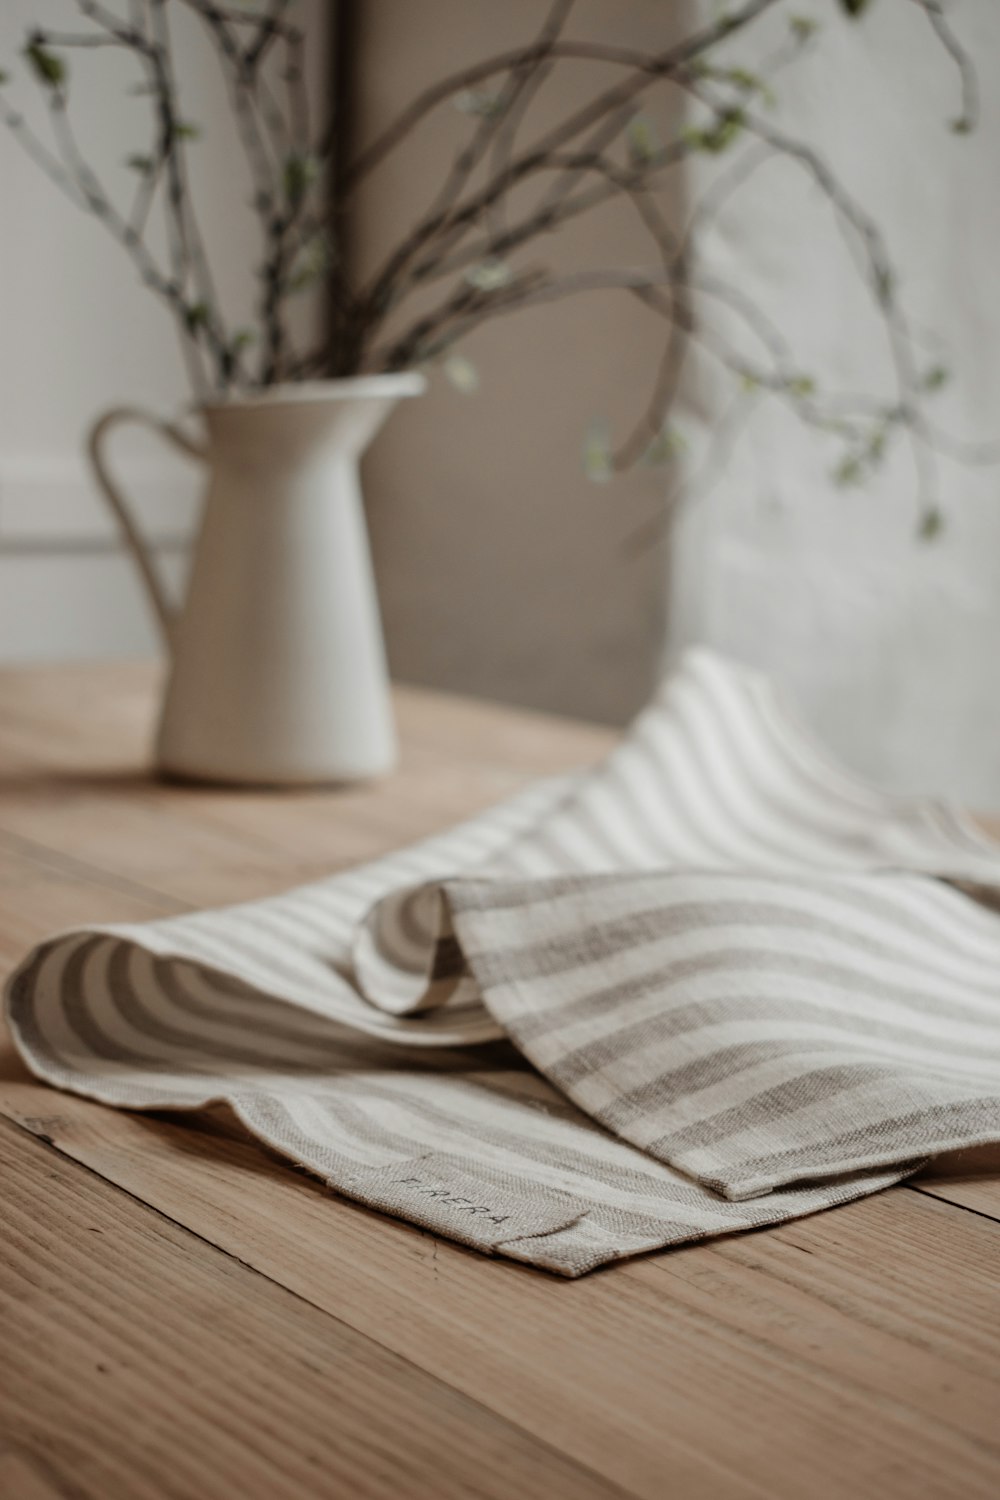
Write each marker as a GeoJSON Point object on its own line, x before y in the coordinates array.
{"type": "Point", "coordinates": [296, 419]}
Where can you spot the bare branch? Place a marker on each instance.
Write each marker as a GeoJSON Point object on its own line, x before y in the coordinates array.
{"type": "Point", "coordinates": [470, 219]}
{"type": "Point", "coordinates": [42, 156]}
{"type": "Point", "coordinates": [969, 118]}
{"type": "Point", "coordinates": [80, 185]}
{"type": "Point", "coordinates": [881, 277]}
{"type": "Point", "coordinates": [269, 29]}
{"type": "Point", "coordinates": [647, 67]}
{"type": "Point", "coordinates": [464, 312]}
{"type": "Point", "coordinates": [192, 250]}
{"type": "Point", "coordinates": [444, 213]}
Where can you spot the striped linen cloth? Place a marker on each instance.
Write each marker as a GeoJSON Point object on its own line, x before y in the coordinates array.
{"type": "Point", "coordinates": [714, 984]}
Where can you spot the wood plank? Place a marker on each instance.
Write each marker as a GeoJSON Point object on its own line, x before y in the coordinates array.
{"type": "Point", "coordinates": [872, 1287]}
{"type": "Point", "coordinates": [89, 792]}
{"type": "Point", "coordinates": [150, 1364]}
{"type": "Point", "coordinates": [42, 891]}
{"type": "Point", "coordinates": [29, 1476]}
{"type": "Point", "coordinates": [969, 1178]}
{"type": "Point", "coordinates": [112, 708]}
{"type": "Point", "coordinates": [878, 1320]}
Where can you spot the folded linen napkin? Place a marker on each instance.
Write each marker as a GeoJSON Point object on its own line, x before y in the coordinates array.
{"type": "Point", "coordinates": [713, 984]}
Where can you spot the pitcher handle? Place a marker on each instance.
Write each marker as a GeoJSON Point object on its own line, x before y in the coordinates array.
{"type": "Point", "coordinates": [109, 488]}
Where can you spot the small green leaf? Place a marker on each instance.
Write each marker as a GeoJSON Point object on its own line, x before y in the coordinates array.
{"type": "Point", "coordinates": [728, 127]}
{"type": "Point", "coordinates": [876, 444]}
{"type": "Point", "coordinates": [47, 67]}
{"type": "Point", "coordinates": [196, 316]}
{"type": "Point", "coordinates": [462, 373]}
{"type": "Point", "coordinates": [141, 164]}
{"type": "Point", "coordinates": [300, 174]}
{"type": "Point", "coordinates": [936, 377]}
{"type": "Point", "coordinates": [185, 130]}
{"type": "Point", "coordinates": [854, 7]}
{"type": "Point", "coordinates": [597, 460]}
{"type": "Point", "coordinates": [800, 386]}
{"type": "Point", "coordinates": [640, 138]}
{"type": "Point", "coordinates": [666, 446]}
{"type": "Point", "coordinates": [962, 126]}
{"type": "Point", "coordinates": [848, 472]}
{"type": "Point", "coordinates": [312, 264]}
{"type": "Point", "coordinates": [802, 27]}
{"type": "Point", "coordinates": [478, 102]}
{"type": "Point", "coordinates": [489, 275]}
{"type": "Point", "coordinates": [750, 83]}
{"type": "Point", "coordinates": [718, 137]}
{"type": "Point", "coordinates": [742, 79]}
{"type": "Point", "coordinates": [242, 339]}
{"type": "Point", "coordinates": [931, 524]}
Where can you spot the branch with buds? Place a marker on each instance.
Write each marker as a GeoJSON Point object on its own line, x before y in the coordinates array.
{"type": "Point", "coordinates": [463, 263]}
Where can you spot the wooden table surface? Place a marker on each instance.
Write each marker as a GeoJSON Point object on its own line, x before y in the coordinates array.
{"type": "Point", "coordinates": [183, 1315]}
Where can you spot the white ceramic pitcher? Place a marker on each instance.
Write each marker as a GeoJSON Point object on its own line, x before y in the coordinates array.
{"type": "Point", "coordinates": [277, 670]}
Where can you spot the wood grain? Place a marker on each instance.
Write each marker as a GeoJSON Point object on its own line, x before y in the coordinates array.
{"type": "Point", "coordinates": [969, 1178]}
{"type": "Point", "coordinates": [28, 1476]}
{"type": "Point", "coordinates": [855, 1353]}
{"type": "Point", "coordinates": [127, 1332]}
{"type": "Point", "coordinates": [880, 1317]}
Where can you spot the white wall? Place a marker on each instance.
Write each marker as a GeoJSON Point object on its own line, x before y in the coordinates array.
{"type": "Point", "coordinates": [504, 572]}
{"type": "Point", "coordinates": [78, 334]}
{"type": "Point", "coordinates": [890, 644]}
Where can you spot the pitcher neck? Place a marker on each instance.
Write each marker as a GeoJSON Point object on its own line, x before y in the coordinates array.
{"type": "Point", "coordinates": [288, 423]}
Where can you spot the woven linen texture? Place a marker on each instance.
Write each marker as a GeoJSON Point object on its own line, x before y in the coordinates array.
{"type": "Point", "coordinates": [713, 984]}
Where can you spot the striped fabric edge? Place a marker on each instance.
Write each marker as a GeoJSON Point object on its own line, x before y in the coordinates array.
{"type": "Point", "coordinates": [364, 973]}
{"type": "Point", "coordinates": [716, 773]}
{"type": "Point", "coordinates": [296, 949]}
{"type": "Point", "coordinates": [751, 1030]}
{"type": "Point", "coordinates": [468, 1144]}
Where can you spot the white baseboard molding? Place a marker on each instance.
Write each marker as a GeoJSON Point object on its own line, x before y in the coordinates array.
{"type": "Point", "coordinates": [53, 504]}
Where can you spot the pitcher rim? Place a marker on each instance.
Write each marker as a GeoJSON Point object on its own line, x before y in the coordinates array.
{"type": "Point", "coordinates": [392, 384]}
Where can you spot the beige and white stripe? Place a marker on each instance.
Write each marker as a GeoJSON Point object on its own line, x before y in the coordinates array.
{"type": "Point", "coordinates": [740, 985]}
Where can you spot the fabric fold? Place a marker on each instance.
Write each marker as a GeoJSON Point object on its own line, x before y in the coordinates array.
{"type": "Point", "coordinates": [715, 774]}
{"type": "Point", "coordinates": [751, 1031]}
{"type": "Point", "coordinates": [714, 983]}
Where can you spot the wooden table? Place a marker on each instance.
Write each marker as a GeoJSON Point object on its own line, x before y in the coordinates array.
{"type": "Point", "coordinates": [185, 1316]}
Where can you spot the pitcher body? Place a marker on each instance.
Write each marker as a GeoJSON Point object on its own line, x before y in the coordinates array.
{"type": "Point", "coordinates": [278, 673]}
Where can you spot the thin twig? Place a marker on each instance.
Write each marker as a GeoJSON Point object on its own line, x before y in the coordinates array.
{"type": "Point", "coordinates": [934, 11]}
{"type": "Point", "coordinates": [657, 66]}
{"type": "Point", "coordinates": [469, 219]}
{"type": "Point", "coordinates": [445, 211]}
